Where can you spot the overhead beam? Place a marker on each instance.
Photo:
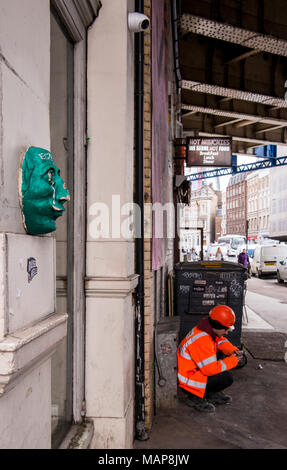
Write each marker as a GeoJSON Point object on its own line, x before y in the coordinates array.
{"type": "Point", "coordinates": [232, 93]}
{"type": "Point", "coordinates": [224, 100]}
{"type": "Point", "coordinates": [275, 108]}
{"type": "Point", "coordinates": [246, 55]}
{"type": "Point", "coordinates": [226, 32]}
{"type": "Point", "coordinates": [268, 129]}
{"type": "Point", "coordinates": [233, 115]}
{"type": "Point", "coordinates": [245, 123]}
{"type": "Point", "coordinates": [226, 123]}
{"type": "Point", "coordinates": [190, 113]}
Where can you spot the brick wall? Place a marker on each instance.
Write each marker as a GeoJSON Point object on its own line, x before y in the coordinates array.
{"type": "Point", "coordinates": [148, 274]}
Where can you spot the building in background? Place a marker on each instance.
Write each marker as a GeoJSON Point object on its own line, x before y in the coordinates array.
{"type": "Point", "coordinates": [203, 210]}
{"type": "Point", "coordinates": [190, 237]}
{"type": "Point", "coordinates": [258, 204]}
{"type": "Point", "coordinates": [278, 200]}
{"type": "Point", "coordinates": [218, 216]}
{"type": "Point", "coordinates": [236, 199]}
{"type": "Point", "coordinates": [223, 221]}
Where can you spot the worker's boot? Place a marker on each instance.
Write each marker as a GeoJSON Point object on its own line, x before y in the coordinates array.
{"type": "Point", "coordinates": [200, 404]}
{"type": "Point", "coordinates": [218, 398]}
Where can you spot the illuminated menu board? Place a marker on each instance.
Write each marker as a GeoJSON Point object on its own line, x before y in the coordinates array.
{"type": "Point", "coordinates": [209, 151]}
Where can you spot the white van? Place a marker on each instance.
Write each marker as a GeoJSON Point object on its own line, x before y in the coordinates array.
{"type": "Point", "coordinates": [266, 258]}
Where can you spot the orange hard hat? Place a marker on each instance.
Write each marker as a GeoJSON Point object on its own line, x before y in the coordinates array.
{"type": "Point", "coordinates": [223, 315]}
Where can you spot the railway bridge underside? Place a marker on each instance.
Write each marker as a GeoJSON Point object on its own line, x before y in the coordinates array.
{"type": "Point", "coordinates": [233, 65]}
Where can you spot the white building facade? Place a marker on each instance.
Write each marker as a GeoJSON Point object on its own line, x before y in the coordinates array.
{"type": "Point", "coordinates": [200, 213]}
{"type": "Point", "coordinates": [67, 348]}
{"type": "Point", "coordinates": [278, 199]}
{"type": "Point", "coordinates": [258, 204]}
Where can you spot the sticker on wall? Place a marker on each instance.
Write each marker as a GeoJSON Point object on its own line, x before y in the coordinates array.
{"type": "Point", "coordinates": [32, 269]}
{"type": "Point", "coordinates": [165, 349]}
{"type": "Point", "coordinates": [42, 192]}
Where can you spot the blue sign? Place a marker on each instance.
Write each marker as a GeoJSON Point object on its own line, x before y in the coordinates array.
{"type": "Point", "coordinates": [266, 151]}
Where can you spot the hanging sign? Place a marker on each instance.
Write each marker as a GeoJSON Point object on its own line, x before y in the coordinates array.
{"type": "Point", "coordinates": [209, 151]}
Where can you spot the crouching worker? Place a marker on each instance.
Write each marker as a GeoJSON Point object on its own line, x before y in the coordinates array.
{"type": "Point", "coordinates": [201, 375]}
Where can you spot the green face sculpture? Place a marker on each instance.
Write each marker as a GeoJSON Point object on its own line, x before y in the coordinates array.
{"type": "Point", "coordinates": [42, 192]}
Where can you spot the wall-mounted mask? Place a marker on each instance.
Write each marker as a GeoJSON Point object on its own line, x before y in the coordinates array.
{"type": "Point", "coordinates": [42, 191]}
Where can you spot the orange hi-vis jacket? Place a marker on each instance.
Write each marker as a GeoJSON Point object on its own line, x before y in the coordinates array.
{"type": "Point", "coordinates": [197, 359]}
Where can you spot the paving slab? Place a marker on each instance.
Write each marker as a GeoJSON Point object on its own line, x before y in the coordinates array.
{"type": "Point", "coordinates": [271, 310]}
{"type": "Point", "coordinates": [252, 321]}
{"type": "Point", "coordinates": [265, 345]}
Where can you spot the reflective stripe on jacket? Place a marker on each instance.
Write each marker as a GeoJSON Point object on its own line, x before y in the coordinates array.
{"type": "Point", "coordinates": [197, 360]}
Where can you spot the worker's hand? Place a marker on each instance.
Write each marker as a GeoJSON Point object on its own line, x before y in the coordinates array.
{"type": "Point", "coordinates": [238, 353]}
{"type": "Point", "coordinates": [242, 360]}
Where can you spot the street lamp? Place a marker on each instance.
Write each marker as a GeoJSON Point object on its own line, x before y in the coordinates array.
{"type": "Point", "coordinates": [247, 227]}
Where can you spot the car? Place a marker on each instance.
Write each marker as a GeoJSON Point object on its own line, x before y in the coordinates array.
{"type": "Point", "coordinates": [282, 271]}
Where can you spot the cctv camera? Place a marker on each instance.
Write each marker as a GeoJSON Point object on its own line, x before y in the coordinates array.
{"type": "Point", "coordinates": [138, 22]}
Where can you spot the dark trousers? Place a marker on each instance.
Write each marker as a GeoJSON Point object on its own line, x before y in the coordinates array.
{"type": "Point", "coordinates": [216, 383]}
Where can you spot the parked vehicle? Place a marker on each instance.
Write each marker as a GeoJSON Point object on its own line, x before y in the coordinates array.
{"type": "Point", "coordinates": [212, 250]}
{"type": "Point", "coordinates": [250, 249]}
{"type": "Point", "coordinates": [282, 271]}
{"type": "Point", "coordinates": [266, 259]}
{"type": "Point", "coordinates": [234, 245]}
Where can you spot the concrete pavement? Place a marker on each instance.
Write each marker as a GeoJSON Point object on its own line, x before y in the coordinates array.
{"type": "Point", "coordinates": [272, 311]}
{"type": "Point", "coordinates": [257, 416]}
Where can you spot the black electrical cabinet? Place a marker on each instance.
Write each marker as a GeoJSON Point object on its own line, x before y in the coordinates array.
{"type": "Point", "coordinates": [200, 286]}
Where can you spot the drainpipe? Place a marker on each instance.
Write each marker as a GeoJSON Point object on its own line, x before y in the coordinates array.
{"type": "Point", "coordinates": [139, 156]}
{"type": "Point", "coordinates": [175, 18]}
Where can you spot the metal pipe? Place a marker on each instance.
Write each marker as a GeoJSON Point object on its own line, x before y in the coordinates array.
{"type": "Point", "coordinates": [175, 24]}
{"type": "Point", "coordinates": [140, 431]}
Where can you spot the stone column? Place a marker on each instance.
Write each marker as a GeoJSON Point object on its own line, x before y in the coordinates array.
{"type": "Point", "coordinates": [110, 348]}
